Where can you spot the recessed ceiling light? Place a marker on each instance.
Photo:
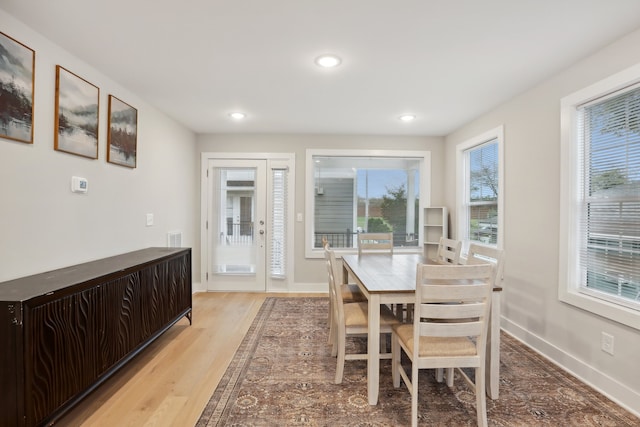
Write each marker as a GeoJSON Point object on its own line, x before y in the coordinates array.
{"type": "Point", "coordinates": [407, 118]}
{"type": "Point", "coordinates": [237, 116]}
{"type": "Point", "coordinates": [328, 61]}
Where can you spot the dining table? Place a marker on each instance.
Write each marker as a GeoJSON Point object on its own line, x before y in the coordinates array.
{"type": "Point", "coordinates": [391, 279]}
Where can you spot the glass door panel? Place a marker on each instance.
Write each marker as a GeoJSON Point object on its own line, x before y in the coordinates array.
{"type": "Point", "coordinates": [236, 224]}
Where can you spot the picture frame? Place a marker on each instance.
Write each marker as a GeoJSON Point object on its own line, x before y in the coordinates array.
{"type": "Point", "coordinates": [122, 138]}
{"type": "Point", "coordinates": [17, 77]}
{"type": "Point", "coordinates": [76, 115]}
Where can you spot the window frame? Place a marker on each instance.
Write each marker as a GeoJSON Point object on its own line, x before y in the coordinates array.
{"type": "Point", "coordinates": [425, 191]}
{"type": "Point", "coordinates": [462, 185]}
{"type": "Point", "coordinates": [569, 274]}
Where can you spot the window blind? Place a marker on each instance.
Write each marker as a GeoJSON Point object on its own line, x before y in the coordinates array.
{"type": "Point", "coordinates": [482, 192]}
{"type": "Point", "coordinates": [609, 224]}
{"type": "Point", "coordinates": [278, 223]}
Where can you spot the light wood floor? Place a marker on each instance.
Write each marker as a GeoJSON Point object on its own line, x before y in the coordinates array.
{"type": "Point", "coordinates": [171, 381]}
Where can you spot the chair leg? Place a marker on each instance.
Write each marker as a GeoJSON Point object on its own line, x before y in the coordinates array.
{"type": "Point", "coordinates": [330, 320]}
{"type": "Point", "coordinates": [449, 375]}
{"type": "Point", "coordinates": [481, 397]}
{"type": "Point", "coordinates": [336, 343]}
{"type": "Point", "coordinates": [395, 360]}
{"type": "Point", "coordinates": [414, 394]}
{"type": "Point", "coordinates": [332, 332]}
{"type": "Point", "coordinates": [398, 310]}
{"type": "Point", "coordinates": [383, 344]}
{"type": "Point", "coordinates": [341, 350]}
{"type": "Point", "coordinates": [439, 374]}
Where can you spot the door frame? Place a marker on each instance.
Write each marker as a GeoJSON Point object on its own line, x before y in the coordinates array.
{"type": "Point", "coordinates": [274, 160]}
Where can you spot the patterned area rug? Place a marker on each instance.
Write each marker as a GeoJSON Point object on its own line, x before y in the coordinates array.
{"type": "Point", "coordinates": [282, 375]}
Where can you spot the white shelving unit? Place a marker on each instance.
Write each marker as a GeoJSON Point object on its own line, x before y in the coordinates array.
{"type": "Point", "coordinates": [436, 225]}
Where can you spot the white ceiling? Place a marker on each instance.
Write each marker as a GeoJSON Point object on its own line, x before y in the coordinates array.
{"type": "Point", "coordinates": [447, 61]}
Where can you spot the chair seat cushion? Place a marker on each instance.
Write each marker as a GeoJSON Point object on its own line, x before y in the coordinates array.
{"type": "Point", "coordinates": [436, 346]}
{"type": "Point", "coordinates": [351, 293]}
{"type": "Point", "coordinates": [356, 314]}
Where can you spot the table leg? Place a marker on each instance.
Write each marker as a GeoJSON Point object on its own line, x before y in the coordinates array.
{"type": "Point", "coordinates": [492, 365]}
{"type": "Point", "coordinates": [373, 350]}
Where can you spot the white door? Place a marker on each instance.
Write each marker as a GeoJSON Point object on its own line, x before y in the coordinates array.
{"type": "Point", "coordinates": [236, 225]}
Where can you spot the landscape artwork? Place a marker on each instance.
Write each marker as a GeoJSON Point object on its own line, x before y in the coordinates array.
{"type": "Point", "coordinates": [76, 122]}
{"type": "Point", "coordinates": [17, 64]}
{"type": "Point", "coordinates": [123, 133]}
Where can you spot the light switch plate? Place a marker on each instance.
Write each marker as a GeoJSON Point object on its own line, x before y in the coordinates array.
{"type": "Point", "coordinates": [149, 219]}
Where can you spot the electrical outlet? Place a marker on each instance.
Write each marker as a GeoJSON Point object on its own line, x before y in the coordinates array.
{"type": "Point", "coordinates": [607, 343]}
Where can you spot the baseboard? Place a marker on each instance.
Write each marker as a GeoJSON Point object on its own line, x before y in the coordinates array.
{"type": "Point", "coordinates": [614, 390]}
{"type": "Point", "coordinates": [298, 288]}
{"type": "Point", "coordinates": [309, 288]}
{"type": "Point", "coordinates": [197, 287]}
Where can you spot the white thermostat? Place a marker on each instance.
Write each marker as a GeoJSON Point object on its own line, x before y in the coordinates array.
{"type": "Point", "coordinates": [79, 185]}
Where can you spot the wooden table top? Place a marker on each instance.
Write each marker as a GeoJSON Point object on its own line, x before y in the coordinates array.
{"type": "Point", "coordinates": [385, 273]}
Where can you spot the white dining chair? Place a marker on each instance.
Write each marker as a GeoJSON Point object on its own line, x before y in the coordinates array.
{"type": "Point", "coordinates": [375, 243]}
{"type": "Point", "coordinates": [448, 251]}
{"type": "Point", "coordinates": [449, 329]}
{"type": "Point", "coordinates": [352, 319]}
{"type": "Point", "coordinates": [481, 254]}
{"type": "Point", "coordinates": [350, 291]}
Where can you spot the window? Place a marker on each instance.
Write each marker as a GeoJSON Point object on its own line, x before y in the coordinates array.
{"type": "Point", "coordinates": [279, 209]}
{"type": "Point", "coordinates": [350, 192]}
{"type": "Point", "coordinates": [600, 218]}
{"type": "Point", "coordinates": [480, 190]}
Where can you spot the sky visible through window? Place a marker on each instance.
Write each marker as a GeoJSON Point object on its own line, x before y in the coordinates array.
{"type": "Point", "coordinates": [379, 180]}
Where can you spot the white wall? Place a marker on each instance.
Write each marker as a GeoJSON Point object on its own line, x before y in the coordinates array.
{"type": "Point", "coordinates": [531, 308]}
{"type": "Point", "coordinates": [43, 225]}
{"type": "Point", "coordinates": [309, 274]}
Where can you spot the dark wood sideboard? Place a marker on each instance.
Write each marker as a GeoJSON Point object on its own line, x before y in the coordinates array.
{"type": "Point", "coordinates": [64, 332]}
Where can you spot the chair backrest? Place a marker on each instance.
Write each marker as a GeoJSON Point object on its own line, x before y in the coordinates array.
{"type": "Point", "coordinates": [448, 251]}
{"type": "Point", "coordinates": [330, 255]}
{"type": "Point", "coordinates": [335, 294]}
{"type": "Point", "coordinates": [453, 301]}
{"type": "Point", "coordinates": [479, 254]}
{"type": "Point", "coordinates": [375, 243]}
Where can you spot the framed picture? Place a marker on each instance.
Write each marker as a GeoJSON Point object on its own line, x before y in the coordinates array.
{"type": "Point", "coordinates": [123, 133]}
{"type": "Point", "coordinates": [17, 65]}
{"type": "Point", "coordinates": [76, 122]}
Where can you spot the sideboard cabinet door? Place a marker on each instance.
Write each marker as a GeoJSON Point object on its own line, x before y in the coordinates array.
{"type": "Point", "coordinates": [65, 342]}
